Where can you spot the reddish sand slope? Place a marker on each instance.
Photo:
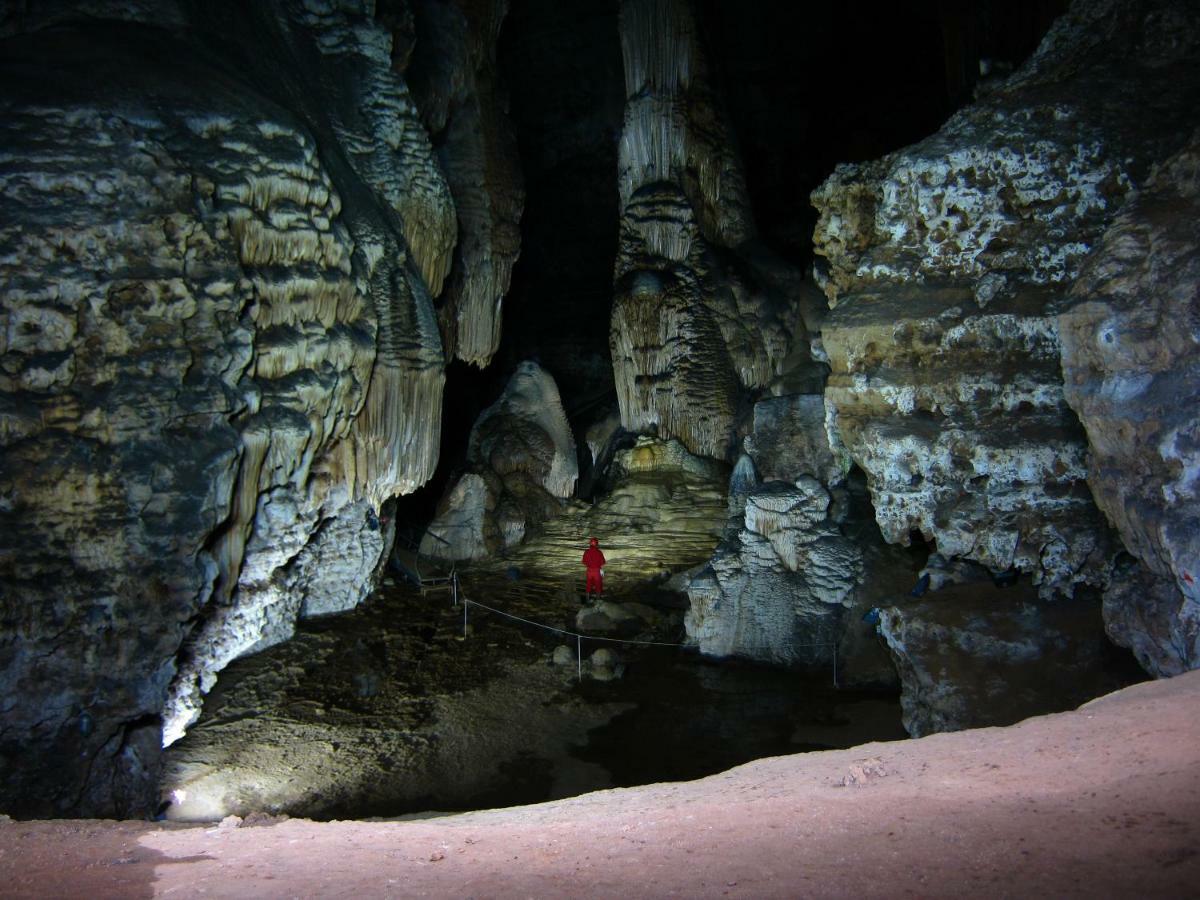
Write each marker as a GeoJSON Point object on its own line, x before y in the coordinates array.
{"type": "Point", "coordinates": [1104, 801]}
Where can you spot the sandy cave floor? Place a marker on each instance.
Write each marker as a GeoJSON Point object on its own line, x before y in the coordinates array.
{"type": "Point", "coordinates": [1103, 801]}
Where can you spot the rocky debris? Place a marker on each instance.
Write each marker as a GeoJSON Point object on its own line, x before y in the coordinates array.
{"type": "Point", "coordinates": [1131, 363]}
{"type": "Point", "coordinates": [947, 263]}
{"type": "Point", "coordinates": [220, 361]}
{"type": "Point", "coordinates": [524, 464]}
{"type": "Point", "coordinates": [692, 325]}
{"type": "Point", "coordinates": [606, 665]}
{"type": "Point", "coordinates": [864, 771]}
{"type": "Point", "coordinates": [563, 656]}
{"type": "Point", "coordinates": [608, 617]}
{"type": "Point", "coordinates": [457, 89]}
{"type": "Point", "coordinates": [977, 655]}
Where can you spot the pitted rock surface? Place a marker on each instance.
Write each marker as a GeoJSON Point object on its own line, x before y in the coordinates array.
{"type": "Point", "coordinates": [947, 263]}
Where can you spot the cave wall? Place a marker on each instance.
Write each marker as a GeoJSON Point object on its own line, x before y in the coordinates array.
{"type": "Point", "coordinates": [952, 266]}
{"type": "Point", "coordinates": [223, 231]}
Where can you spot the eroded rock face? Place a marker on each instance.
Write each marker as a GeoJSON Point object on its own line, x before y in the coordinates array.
{"type": "Point", "coordinates": [524, 464]}
{"type": "Point", "coordinates": [220, 359]}
{"type": "Point", "coordinates": [947, 263]}
{"type": "Point", "coordinates": [975, 655]}
{"type": "Point", "coordinates": [693, 327]}
{"type": "Point", "coordinates": [1131, 362]}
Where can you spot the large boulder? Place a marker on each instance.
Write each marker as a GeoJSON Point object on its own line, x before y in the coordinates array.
{"type": "Point", "coordinates": [522, 466]}
{"type": "Point", "coordinates": [947, 263]}
{"type": "Point", "coordinates": [1131, 362]}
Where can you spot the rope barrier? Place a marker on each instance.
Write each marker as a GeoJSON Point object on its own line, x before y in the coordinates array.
{"type": "Point", "coordinates": [579, 638]}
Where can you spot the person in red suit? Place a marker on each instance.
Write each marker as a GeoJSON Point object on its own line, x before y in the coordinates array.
{"type": "Point", "coordinates": [594, 560]}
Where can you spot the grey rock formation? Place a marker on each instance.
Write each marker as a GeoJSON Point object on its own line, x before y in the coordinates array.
{"type": "Point", "coordinates": [974, 655]}
{"type": "Point", "coordinates": [1131, 363]}
{"type": "Point", "coordinates": [777, 589]}
{"type": "Point", "coordinates": [523, 466]}
{"type": "Point", "coordinates": [457, 88]}
{"type": "Point", "coordinates": [947, 263]}
{"type": "Point", "coordinates": [220, 359]}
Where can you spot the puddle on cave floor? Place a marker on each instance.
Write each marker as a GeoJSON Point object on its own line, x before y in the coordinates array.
{"type": "Point", "coordinates": [390, 711]}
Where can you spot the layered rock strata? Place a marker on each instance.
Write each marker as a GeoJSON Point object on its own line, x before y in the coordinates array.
{"type": "Point", "coordinates": [522, 466]}
{"type": "Point", "coordinates": [220, 359]}
{"type": "Point", "coordinates": [947, 263]}
{"type": "Point", "coordinates": [1131, 364]}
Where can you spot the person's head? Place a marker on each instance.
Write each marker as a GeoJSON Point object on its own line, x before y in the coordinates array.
{"type": "Point", "coordinates": [593, 542]}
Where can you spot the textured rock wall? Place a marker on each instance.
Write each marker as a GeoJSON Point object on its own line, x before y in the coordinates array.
{"type": "Point", "coordinates": [973, 656]}
{"type": "Point", "coordinates": [947, 263]}
{"type": "Point", "coordinates": [693, 325]}
{"type": "Point", "coordinates": [220, 358]}
{"type": "Point", "coordinates": [1131, 363]}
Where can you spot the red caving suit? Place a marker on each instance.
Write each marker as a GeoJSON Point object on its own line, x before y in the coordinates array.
{"type": "Point", "coordinates": [594, 560]}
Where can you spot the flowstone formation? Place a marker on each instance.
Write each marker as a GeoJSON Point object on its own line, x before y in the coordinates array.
{"type": "Point", "coordinates": [462, 103]}
{"type": "Point", "coordinates": [1131, 362]}
{"type": "Point", "coordinates": [522, 467]}
{"type": "Point", "coordinates": [694, 327]}
{"type": "Point", "coordinates": [946, 265]}
{"type": "Point", "coordinates": [220, 360]}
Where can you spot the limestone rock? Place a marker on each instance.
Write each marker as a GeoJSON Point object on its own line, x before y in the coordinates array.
{"type": "Point", "coordinates": [661, 510]}
{"type": "Point", "coordinates": [1131, 362]}
{"type": "Point", "coordinates": [457, 88]}
{"type": "Point", "coordinates": [777, 587]}
{"type": "Point", "coordinates": [220, 360]}
{"type": "Point", "coordinates": [974, 655]}
{"type": "Point", "coordinates": [524, 461]}
{"type": "Point", "coordinates": [946, 264]}
{"type": "Point", "coordinates": [789, 439]}
{"type": "Point", "coordinates": [693, 326]}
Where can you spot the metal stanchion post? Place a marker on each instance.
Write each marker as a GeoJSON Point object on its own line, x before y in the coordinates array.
{"type": "Point", "coordinates": [464, 618]}
{"type": "Point", "coordinates": [835, 684]}
{"type": "Point", "coordinates": [579, 655]}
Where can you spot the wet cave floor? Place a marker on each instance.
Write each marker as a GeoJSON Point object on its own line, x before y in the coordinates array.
{"type": "Point", "coordinates": [390, 710]}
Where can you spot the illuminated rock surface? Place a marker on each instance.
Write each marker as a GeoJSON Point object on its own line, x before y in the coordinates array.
{"type": "Point", "coordinates": [220, 361]}
{"type": "Point", "coordinates": [947, 264]}
{"type": "Point", "coordinates": [524, 461]}
{"type": "Point", "coordinates": [457, 89]}
{"type": "Point", "coordinates": [692, 326]}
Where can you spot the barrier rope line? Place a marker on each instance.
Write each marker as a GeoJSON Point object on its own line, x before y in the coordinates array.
{"type": "Point", "coordinates": [579, 638]}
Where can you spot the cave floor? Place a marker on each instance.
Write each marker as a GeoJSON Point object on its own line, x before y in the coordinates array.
{"type": "Point", "coordinates": [1103, 801]}
{"type": "Point", "coordinates": [391, 709]}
